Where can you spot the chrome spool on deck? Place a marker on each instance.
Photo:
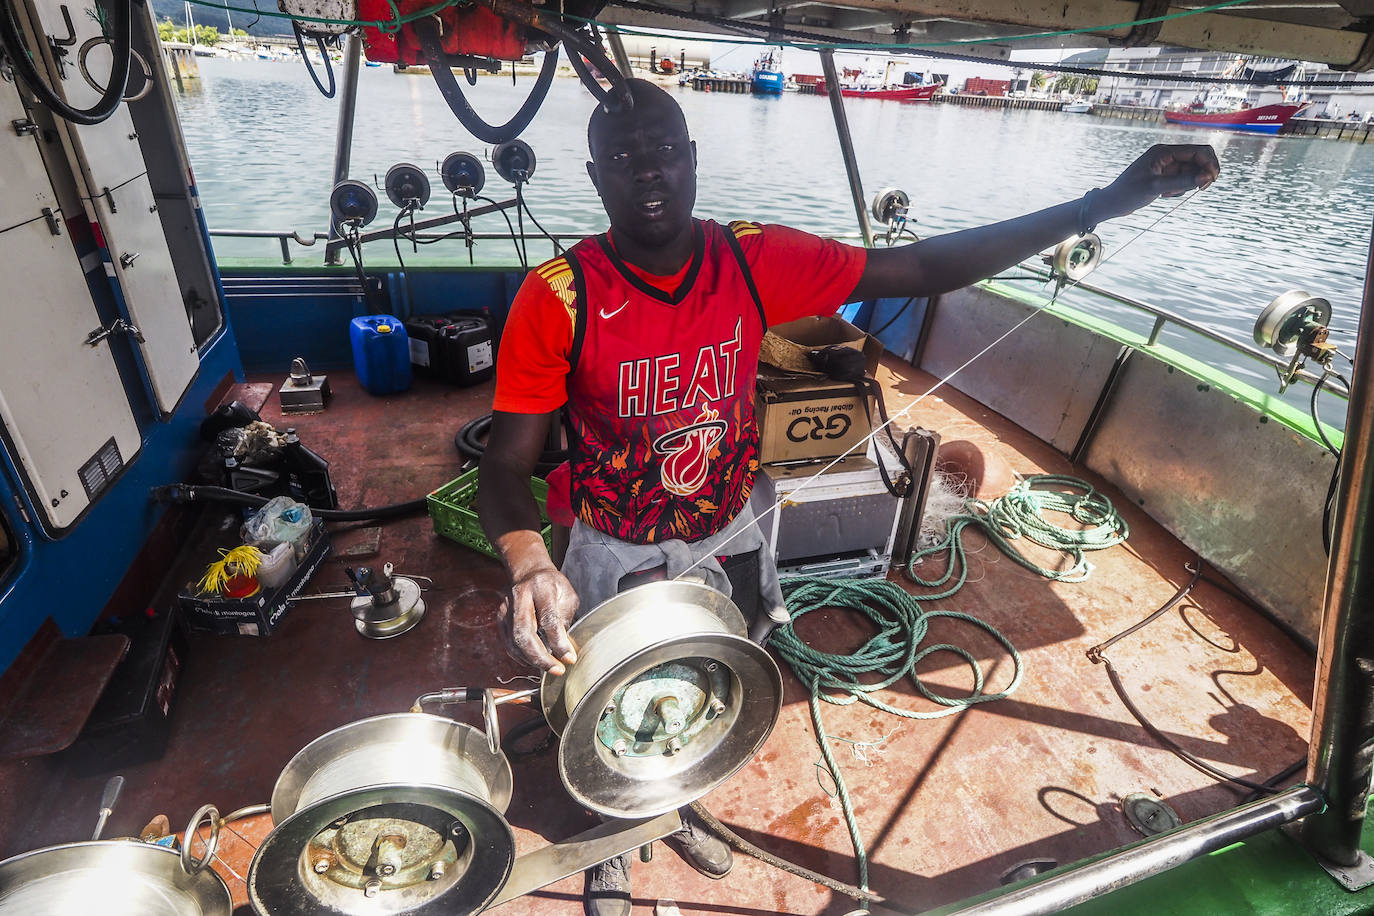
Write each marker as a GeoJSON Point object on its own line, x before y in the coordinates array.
{"type": "Point", "coordinates": [394, 814]}
{"type": "Point", "coordinates": [110, 877]}
{"type": "Point", "coordinates": [667, 700]}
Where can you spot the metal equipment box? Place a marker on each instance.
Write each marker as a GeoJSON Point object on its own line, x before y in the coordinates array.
{"type": "Point", "coordinates": [839, 524]}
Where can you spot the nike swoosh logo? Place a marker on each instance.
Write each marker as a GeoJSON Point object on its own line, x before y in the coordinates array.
{"type": "Point", "coordinates": [606, 314]}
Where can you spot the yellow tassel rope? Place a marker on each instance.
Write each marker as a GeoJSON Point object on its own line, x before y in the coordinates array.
{"type": "Point", "coordinates": [240, 561]}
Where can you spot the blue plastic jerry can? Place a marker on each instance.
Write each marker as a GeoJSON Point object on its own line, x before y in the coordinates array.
{"type": "Point", "coordinates": [381, 353]}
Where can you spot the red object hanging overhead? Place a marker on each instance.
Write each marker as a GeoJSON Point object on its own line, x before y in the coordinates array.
{"type": "Point", "coordinates": [474, 31]}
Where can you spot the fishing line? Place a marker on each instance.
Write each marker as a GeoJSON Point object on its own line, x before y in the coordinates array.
{"type": "Point", "coordinates": [792, 494]}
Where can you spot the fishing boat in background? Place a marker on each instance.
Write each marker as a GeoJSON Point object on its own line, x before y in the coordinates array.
{"type": "Point", "coordinates": [895, 93]}
{"type": "Point", "coordinates": [1266, 119]}
{"type": "Point", "coordinates": [767, 77]}
{"type": "Point", "coordinates": [1077, 106]}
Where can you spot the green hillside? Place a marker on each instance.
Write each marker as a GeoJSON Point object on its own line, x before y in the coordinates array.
{"type": "Point", "coordinates": [175, 10]}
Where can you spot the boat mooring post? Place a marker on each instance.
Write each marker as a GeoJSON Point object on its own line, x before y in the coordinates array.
{"type": "Point", "coordinates": [851, 165]}
{"type": "Point", "coordinates": [343, 138]}
{"type": "Point", "coordinates": [1343, 700]}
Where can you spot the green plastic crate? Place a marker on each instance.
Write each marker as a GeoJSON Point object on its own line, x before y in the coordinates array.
{"type": "Point", "coordinates": [453, 509]}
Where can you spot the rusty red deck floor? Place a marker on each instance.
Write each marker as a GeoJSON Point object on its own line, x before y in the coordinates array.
{"type": "Point", "coordinates": [946, 806]}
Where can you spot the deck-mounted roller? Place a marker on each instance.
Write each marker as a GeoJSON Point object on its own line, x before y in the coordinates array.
{"type": "Point", "coordinates": [667, 700]}
{"type": "Point", "coordinates": [394, 814]}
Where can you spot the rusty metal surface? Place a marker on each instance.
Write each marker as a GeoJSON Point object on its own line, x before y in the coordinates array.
{"type": "Point", "coordinates": [48, 712]}
{"type": "Point", "coordinates": [945, 806]}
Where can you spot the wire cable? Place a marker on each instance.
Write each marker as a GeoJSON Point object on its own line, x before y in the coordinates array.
{"type": "Point", "coordinates": [186, 493]}
{"type": "Point", "coordinates": [510, 226]}
{"type": "Point", "coordinates": [557, 246]}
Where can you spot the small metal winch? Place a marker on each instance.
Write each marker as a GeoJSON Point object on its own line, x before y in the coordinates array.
{"type": "Point", "coordinates": [303, 392]}
{"type": "Point", "coordinates": [387, 605]}
{"type": "Point", "coordinates": [393, 814]}
{"type": "Point", "coordinates": [667, 699]}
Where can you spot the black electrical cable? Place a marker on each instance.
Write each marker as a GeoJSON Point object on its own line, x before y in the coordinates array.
{"type": "Point", "coordinates": [513, 736]}
{"type": "Point", "coordinates": [1286, 774]}
{"type": "Point", "coordinates": [900, 311]}
{"type": "Point", "coordinates": [12, 42]}
{"type": "Point", "coordinates": [471, 441]}
{"type": "Point", "coordinates": [355, 251]}
{"type": "Point", "coordinates": [510, 226]}
{"type": "Point", "coordinates": [520, 201]}
{"type": "Point", "coordinates": [1329, 505]}
{"type": "Point", "coordinates": [1096, 656]}
{"type": "Point", "coordinates": [427, 31]}
{"type": "Point", "coordinates": [520, 221]}
{"type": "Point", "coordinates": [396, 243]}
{"type": "Point", "coordinates": [185, 493]}
{"type": "Point", "coordinates": [309, 67]}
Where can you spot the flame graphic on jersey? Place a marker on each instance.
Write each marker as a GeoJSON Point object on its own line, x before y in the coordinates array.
{"type": "Point", "coordinates": [688, 451]}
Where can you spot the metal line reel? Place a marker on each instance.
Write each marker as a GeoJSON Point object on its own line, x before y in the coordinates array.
{"type": "Point", "coordinates": [1075, 258]}
{"type": "Point", "coordinates": [394, 814]}
{"type": "Point", "coordinates": [1295, 324]}
{"type": "Point", "coordinates": [890, 208]}
{"type": "Point", "coordinates": [667, 700]}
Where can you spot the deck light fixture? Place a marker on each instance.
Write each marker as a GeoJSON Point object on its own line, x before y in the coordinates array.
{"type": "Point", "coordinates": [352, 204]}
{"type": "Point", "coordinates": [514, 161]}
{"type": "Point", "coordinates": [462, 174]}
{"type": "Point", "coordinates": [407, 186]}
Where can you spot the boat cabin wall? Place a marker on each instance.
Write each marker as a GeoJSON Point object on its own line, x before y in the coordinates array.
{"type": "Point", "coordinates": [1225, 468]}
{"type": "Point", "coordinates": [282, 313]}
{"type": "Point", "coordinates": [103, 232]}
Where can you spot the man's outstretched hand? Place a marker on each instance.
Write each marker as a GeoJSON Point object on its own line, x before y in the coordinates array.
{"type": "Point", "coordinates": [1163, 171]}
{"type": "Point", "coordinates": [537, 611]}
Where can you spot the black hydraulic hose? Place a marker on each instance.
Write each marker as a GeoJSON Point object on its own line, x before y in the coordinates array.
{"type": "Point", "coordinates": [309, 67]}
{"type": "Point", "coordinates": [12, 42]}
{"type": "Point", "coordinates": [471, 441]}
{"type": "Point", "coordinates": [185, 493]}
{"type": "Point", "coordinates": [428, 34]}
{"type": "Point", "coordinates": [578, 42]}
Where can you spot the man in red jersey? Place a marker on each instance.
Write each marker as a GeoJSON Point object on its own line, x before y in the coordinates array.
{"type": "Point", "coordinates": [649, 335]}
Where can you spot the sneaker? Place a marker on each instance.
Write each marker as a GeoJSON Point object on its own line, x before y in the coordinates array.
{"type": "Point", "coordinates": [607, 891]}
{"type": "Point", "coordinates": [701, 848]}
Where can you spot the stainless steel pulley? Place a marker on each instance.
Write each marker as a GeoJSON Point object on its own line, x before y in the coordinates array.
{"type": "Point", "coordinates": [397, 814]}
{"type": "Point", "coordinates": [667, 700]}
{"type": "Point", "coordinates": [1075, 258]}
{"type": "Point", "coordinates": [1286, 320]}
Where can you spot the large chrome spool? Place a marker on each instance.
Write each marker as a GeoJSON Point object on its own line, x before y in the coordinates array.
{"type": "Point", "coordinates": [394, 814]}
{"type": "Point", "coordinates": [667, 700]}
{"type": "Point", "coordinates": [112, 878]}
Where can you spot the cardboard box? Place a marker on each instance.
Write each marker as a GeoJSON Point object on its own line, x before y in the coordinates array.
{"type": "Point", "coordinates": [256, 615]}
{"type": "Point", "coordinates": [809, 418]}
{"type": "Point", "coordinates": [785, 346]}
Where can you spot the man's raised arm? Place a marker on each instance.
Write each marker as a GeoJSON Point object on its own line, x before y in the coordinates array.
{"type": "Point", "coordinates": [947, 262]}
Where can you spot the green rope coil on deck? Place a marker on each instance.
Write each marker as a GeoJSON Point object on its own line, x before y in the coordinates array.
{"type": "Point", "coordinates": [1020, 514]}
{"type": "Point", "coordinates": [903, 622]}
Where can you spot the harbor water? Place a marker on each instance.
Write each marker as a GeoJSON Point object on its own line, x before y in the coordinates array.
{"type": "Point", "coordinates": [1288, 212]}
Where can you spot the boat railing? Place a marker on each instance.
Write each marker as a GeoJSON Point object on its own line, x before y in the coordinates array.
{"type": "Point", "coordinates": [286, 238]}
{"type": "Point", "coordinates": [1160, 318]}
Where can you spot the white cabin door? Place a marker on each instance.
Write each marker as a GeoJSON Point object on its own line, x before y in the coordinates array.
{"type": "Point", "coordinates": [64, 410]}
{"type": "Point", "coordinates": [110, 165]}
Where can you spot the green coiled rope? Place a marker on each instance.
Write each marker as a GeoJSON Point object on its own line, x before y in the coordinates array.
{"type": "Point", "coordinates": [903, 621]}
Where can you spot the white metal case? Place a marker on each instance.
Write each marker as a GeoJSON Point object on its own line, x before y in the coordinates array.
{"type": "Point", "coordinates": [120, 199]}
{"type": "Point", "coordinates": [61, 401]}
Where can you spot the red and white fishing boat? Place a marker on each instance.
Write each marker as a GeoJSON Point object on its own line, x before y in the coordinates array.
{"type": "Point", "coordinates": [896, 93]}
{"type": "Point", "coordinates": [1266, 119]}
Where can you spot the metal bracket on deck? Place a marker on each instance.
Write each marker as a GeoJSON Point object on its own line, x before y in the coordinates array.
{"type": "Point", "coordinates": [589, 848]}
{"type": "Point", "coordinates": [1353, 878]}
